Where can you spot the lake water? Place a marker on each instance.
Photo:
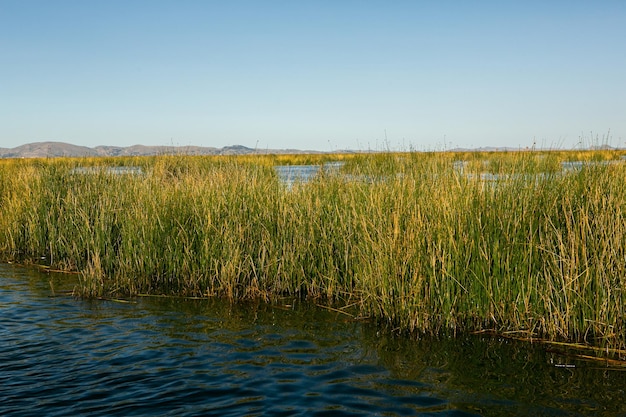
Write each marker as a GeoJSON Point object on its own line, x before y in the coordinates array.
{"type": "Point", "coordinates": [63, 356]}
{"type": "Point", "coordinates": [292, 174]}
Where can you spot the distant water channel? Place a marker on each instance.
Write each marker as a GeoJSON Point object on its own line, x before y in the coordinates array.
{"type": "Point", "coordinates": [291, 174]}
{"type": "Point", "coordinates": [62, 356]}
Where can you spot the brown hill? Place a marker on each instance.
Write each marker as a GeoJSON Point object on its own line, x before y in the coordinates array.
{"type": "Point", "coordinates": [60, 149]}
{"type": "Point", "coordinates": [47, 149]}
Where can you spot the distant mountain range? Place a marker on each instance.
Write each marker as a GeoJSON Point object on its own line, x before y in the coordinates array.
{"type": "Point", "coordinates": [59, 149]}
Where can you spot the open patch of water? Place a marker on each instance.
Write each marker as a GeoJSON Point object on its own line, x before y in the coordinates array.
{"type": "Point", "coordinates": [62, 356]}
{"type": "Point", "coordinates": [109, 170]}
{"type": "Point", "coordinates": [291, 174]}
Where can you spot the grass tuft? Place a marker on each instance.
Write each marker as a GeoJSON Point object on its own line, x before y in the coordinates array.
{"type": "Point", "coordinates": [426, 242]}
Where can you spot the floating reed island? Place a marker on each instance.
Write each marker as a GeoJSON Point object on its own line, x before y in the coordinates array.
{"type": "Point", "coordinates": [521, 243]}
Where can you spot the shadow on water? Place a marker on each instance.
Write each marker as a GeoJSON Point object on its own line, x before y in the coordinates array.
{"type": "Point", "coordinates": [170, 356]}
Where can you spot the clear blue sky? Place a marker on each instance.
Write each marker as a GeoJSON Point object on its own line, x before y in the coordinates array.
{"type": "Point", "coordinates": [322, 75]}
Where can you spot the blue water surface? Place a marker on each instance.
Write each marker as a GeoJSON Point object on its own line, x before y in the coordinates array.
{"type": "Point", "coordinates": [64, 356]}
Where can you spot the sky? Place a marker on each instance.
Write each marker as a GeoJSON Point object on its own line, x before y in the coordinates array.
{"type": "Point", "coordinates": [320, 74]}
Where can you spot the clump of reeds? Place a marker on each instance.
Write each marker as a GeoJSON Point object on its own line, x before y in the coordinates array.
{"type": "Point", "coordinates": [407, 238]}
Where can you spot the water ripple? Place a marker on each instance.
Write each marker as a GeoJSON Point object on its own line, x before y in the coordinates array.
{"type": "Point", "coordinates": [65, 357]}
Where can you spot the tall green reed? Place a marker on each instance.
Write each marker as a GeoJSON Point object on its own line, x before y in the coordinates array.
{"type": "Point", "coordinates": [408, 239]}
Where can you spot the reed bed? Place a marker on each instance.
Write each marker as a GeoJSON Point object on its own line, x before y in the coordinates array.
{"type": "Point", "coordinates": [405, 238]}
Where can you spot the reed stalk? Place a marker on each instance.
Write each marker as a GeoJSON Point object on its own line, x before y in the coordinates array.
{"type": "Point", "coordinates": [425, 242]}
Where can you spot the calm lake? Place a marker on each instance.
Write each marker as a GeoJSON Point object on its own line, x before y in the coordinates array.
{"type": "Point", "coordinates": [63, 356]}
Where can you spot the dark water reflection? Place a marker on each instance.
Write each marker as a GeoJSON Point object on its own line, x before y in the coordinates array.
{"type": "Point", "coordinates": [64, 356]}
